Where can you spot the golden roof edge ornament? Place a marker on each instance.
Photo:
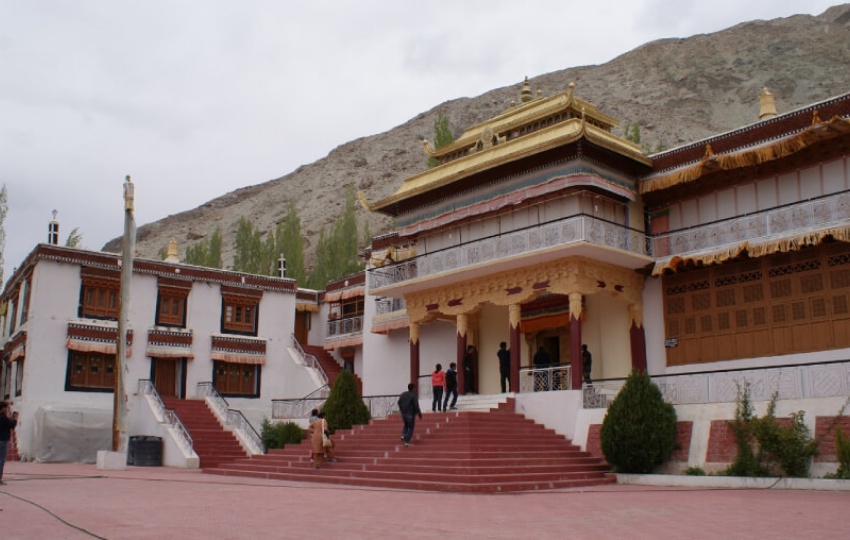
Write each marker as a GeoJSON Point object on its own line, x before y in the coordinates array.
{"type": "Point", "coordinates": [816, 118]}
{"type": "Point", "coordinates": [426, 146]}
{"type": "Point", "coordinates": [361, 198]}
{"type": "Point", "coordinates": [767, 105]}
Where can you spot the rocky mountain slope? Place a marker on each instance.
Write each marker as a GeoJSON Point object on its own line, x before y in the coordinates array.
{"type": "Point", "coordinates": [677, 90]}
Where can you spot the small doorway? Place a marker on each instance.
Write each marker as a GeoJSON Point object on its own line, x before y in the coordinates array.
{"type": "Point", "coordinates": [302, 326]}
{"type": "Point", "coordinates": [167, 375]}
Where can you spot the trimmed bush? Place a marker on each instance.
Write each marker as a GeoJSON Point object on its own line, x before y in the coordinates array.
{"type": "Point", "coordinates": [639, 431]}
{"type": "Point", "coordinates": [278, 435]}
{"type": "Point", "coordinates": [344, 406]}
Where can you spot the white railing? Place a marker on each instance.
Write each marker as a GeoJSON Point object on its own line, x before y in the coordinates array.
{"type": "Point", "coordinates": [181, 434]}
{"type": "Point", "coordinates": [240, 424]}
{"type": "Point", "coordinates": [292, 409]}
{"type": "Point", "coordinates": [580, 228]}
{"type": "Point", "coordinates": [310, 361]}
{"type": "Point", "coordinates": [384, 306]}
{"type": "Point", "coordinates": [232, 417]}
{"type": "Point", "coordinates": [346, 326]}
{"type": "Point", "coordinates": [801, 381]}
{"type": "Point", "coordinates": [821, 213]}
{"type": "Point", "coordinates": [544, 379]}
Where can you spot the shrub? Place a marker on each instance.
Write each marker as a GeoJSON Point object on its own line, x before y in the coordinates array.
{"type": "Point", "coordinates": [842, 453]}
{"type": "Point", "coordinates": [747, 462]}
{"type": "Point", "coordinates": [278, 435]}
{"type": "Point", "coordinates": [344, 407]}
{"type": "Point", "coordinates": [639, 430]}
{"type": "Point", "coordinates": [765, 446]}
{"type": "Point", "coordinates": [695, 471]}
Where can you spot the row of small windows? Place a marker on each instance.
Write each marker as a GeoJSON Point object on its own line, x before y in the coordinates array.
{"type": "Point", "coordinates": [100, 300]}
{"type": "Point", "coordinates": [95, 372]}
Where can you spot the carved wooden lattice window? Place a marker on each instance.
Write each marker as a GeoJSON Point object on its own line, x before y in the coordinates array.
{"type": "Point", "coordinates": [780, 304]}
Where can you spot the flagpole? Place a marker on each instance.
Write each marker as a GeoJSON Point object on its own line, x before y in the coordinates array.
{"type": "Point", "coordinates": [119, 404]}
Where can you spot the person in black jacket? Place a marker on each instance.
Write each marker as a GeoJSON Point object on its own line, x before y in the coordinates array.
{"type": "Point", "coordinates": [451, 386]}
{"type": "Point", "coordinates": [7, 424]}
{"type": "Point", "coordinates": [408, 406]}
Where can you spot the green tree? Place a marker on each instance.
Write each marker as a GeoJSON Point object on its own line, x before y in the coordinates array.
{"type": "Point", "coordinates": [442, 136]}
{"type": "Point", "coordinates": [248, 257]}
{"type": "Point", "coordinates": [639, 430]}
{"type": "Point", "coordinates": [344, 406]}
{"type": "Point", "coordinates": [4, 209]}
{"type": "Point", "coordinates": [206, 252]}
{"type": "Point", "coordinates": [290, 243]}
{"type": "Point", "coordinates": [337, 252]}
{"type": "Point", "coordinates": [75, 238]}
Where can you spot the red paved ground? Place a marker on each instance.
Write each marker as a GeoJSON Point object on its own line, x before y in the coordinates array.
{"type": "Point", "coordinates": [70, 502]}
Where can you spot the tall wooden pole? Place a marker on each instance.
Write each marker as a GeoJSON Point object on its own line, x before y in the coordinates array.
{"type": "Point", "coordinates": [119, 404]}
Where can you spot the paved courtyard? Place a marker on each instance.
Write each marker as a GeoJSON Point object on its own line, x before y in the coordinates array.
{"type": "Point", "coordinates": [73, 501]}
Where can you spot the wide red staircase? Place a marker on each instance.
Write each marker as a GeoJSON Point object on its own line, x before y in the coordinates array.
{"type": "Point", "coordinates": [210, 440]}
{"type": "Point", "coordinates": [330, 365]}
{"type": "Point", "coordinates": [457, 451]}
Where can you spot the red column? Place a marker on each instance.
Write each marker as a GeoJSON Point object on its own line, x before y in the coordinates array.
{"type": "Point", "coordinates": [637, 339]}
{"type": "Point", "coordinates": [575, 352]}
{"type": "Point", "coordinates": [414, 354]}
{"type": "Point", "coordinates": [459, 354]}
{"type": "Point", "coordinates": [516, 350]}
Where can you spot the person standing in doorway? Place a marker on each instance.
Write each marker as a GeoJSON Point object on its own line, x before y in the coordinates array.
{"type": "Point", "coordinates": [7, 424]}
{"type": "Point", "coordinates": [408, 406]}
{"type": "Point", "coordinates": [504, 366]}
{"type": "Point", "coordinates": [469, 370]}
{"type": "Point", "coordinates": [438, 383]}
{"type": "Point", "coordinates": [586, 364]}
{"type": "Point", "coordinates": [451, 387]}
{"type": "Point", "coordinates": [541, 361]}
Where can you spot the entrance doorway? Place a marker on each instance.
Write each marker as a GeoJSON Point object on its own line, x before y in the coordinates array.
{"type": "Point", "coordinates": [167, 375]}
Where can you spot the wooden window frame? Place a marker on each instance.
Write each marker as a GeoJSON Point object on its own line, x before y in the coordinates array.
{"type": "Point", "coordinates": [171, 307]}
{"type": "Point", "coordinates": [237, 380]}
{"type": "Point", "coordinates": [81, 375]}
{"type": "Point", "coordinates": [240, 315]}
{"type": "Point", "coordinates": [100, 299]}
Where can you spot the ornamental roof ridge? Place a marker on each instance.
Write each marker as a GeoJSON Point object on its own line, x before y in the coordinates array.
{"type": "Point", "coordinates": [524, 113]}
{"type": "Point", "coordinates": [773, 128]}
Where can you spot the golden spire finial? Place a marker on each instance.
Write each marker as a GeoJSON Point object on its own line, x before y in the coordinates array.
{"type": "Point", "coordinates": [767, 106]}
{"type": "Point", "coordinates": [525, 95]}
{"type": "Point", "coordinates": [171, 254]}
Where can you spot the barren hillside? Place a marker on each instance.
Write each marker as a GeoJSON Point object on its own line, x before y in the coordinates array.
{"type": "Point", "coordinates": [677, 90]}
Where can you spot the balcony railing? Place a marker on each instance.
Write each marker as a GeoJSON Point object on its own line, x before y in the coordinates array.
{"type": "Point", "coordinates": [389, 305]}
{"type": "Point", "coordinates": [346, 326]}
{"type": "Point", "coordinates": [821, 213]}
{"type": "Point", "coordinates": [571, 230]}
{"type": "Point", "coordinates": [545, 379]}
{"type": "Point", "coordinates": [800, 381]}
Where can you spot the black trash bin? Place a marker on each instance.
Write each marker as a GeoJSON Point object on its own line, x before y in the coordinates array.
{"type": "Point", "coordinates": [144, 451]}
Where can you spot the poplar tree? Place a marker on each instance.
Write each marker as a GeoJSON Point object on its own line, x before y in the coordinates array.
{"type": "Point", "coordinates": [290, 243]}
{"type": "Point", "coordinates": [248, 256]}
{"type": "Point", "coordinates": [206, 252]}
{"type": "Point", "coordinates": [442, 136]}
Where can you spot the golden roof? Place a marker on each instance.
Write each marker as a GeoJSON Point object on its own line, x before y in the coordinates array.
{"type": "Point", "coordinates": [520, 132]}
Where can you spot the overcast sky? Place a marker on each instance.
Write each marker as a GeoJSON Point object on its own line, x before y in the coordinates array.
{"type": "Point", "coordinates": [197, 98]}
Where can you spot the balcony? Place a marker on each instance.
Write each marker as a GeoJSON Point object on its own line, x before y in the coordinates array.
{"type": "Point", "coordinates": [756, 228]}
{"type": "Point", "coordinates": [578, 231]}
{"type": "Point", "coordinates": [348, 326]}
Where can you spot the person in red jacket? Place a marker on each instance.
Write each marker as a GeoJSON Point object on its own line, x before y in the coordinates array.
{"type": "Point", "coordinates": [438, 382]}
{"type": "Point", "coordinates": [7, 424]}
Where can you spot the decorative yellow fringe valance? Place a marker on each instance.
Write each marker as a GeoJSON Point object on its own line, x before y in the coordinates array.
{"type": "Point", "coordinates": [754, 250]}
{"type": "Point", "coordinates": [711, 162]}
{"type": "Point", "coordinates": [391, 255]}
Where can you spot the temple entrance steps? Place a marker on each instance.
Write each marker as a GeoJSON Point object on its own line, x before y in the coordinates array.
{"type": "Point", "coordinates": [455, 451]}
{"type": "Point", "coordinates": [330, 365]}
{"type": "Point", "coordinates": [472, 402]}
{"type": "Point", "coordinates": [210, 440]}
